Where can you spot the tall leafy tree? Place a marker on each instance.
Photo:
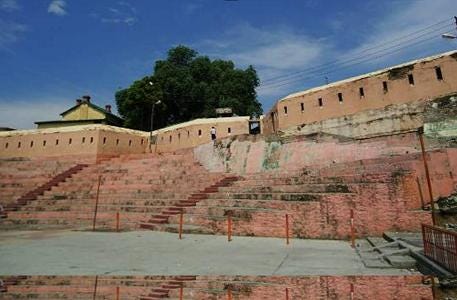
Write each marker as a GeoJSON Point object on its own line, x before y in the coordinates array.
{"type": "Point", "coordinates": [188, 86]}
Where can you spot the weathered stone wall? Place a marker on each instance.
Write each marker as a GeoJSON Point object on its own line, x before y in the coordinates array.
{"type": "Point", "coordinates": [250, 154]}
{"type": "Point", "coordinates": [288, 111]}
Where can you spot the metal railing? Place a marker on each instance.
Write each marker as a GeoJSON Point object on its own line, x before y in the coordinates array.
{"type": "Point", "coordinates": [440, 245]}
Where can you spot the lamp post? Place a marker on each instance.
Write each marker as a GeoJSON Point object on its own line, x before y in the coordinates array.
{"type": "Point", "coordinates": [449, 36]}
{"type": "Point", "coordinates": [152, 120]}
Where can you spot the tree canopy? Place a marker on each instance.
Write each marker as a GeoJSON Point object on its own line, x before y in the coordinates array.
{"type": "Point", "coordinates": [189, 86]}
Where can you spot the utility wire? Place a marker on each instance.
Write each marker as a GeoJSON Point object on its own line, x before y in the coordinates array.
{"type": "Point", "coordinates": [348, 66]}
{"type": "Point", "coordinates": [367, 49]}
{"type": "Point", "coordinates": [315, 69]}
{"type": "Point", "coordinates": [327, 68]}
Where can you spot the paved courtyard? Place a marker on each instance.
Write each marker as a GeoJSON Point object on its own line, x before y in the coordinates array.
{"type": "Point", "coordinates": [147, 252]}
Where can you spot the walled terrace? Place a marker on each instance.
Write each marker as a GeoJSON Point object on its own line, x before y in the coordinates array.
{"type": "Point", "coordinates": [318, 181]}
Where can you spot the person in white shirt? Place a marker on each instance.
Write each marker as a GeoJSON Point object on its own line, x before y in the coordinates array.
{"type": "Point", "coordinates": [213, 133]}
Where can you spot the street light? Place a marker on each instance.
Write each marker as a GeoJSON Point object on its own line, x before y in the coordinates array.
{"type": "Point", "coordinates": [449, 36]}
{"type": "Point", "coordinates": [152, 119]}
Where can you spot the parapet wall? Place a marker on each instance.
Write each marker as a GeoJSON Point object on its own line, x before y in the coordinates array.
{"type": "Point", "coordinates": [77, 143]}
{"type": "Point", "coordinates": [197, 132]}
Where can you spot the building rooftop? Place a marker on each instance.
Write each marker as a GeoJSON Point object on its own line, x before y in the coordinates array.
{"type": "Point", "coordinates": [90, 127]}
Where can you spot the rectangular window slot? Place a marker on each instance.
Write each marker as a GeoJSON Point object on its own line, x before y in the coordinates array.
{"type": "Point", "coordinates": [285, 110]}
{"type": "Point", "coordinates": [321, 102]}
{"type": "Point", "coordinates": [83, 140]}
{"type": "Point", "coordinates": [44, 143]}
{"type": "Point", "coordinates": [361, 92]}
{"type": "Point", "coordinates": [31, 144]}
{"type": "Point", "coordinates": [229, 130]}
{"type": "Point", "coordinates": [340, 97]}
{"type": "Point", "coordinates": [385, 87]}
{"type": "Point", "coordinates": [302, 106]}
{"type": "Point", "coordinates": [57, 142]}
{"type": "Point", "coordinates": [439, 74]}
{"type": "Point", "coordinates": [411, 79]}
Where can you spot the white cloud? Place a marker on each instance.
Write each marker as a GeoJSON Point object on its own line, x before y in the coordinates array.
{"type": "Point", "coordinates": [10, 32]}
{"type": "Point", "coordinates": [123, 13]}
{"type": "Point", "coordinates": [22, 114]}
{"type": "Point", "coordinates": [406, 18]}
{"type": "Point", "coordinates": [273, 52]}
{"type": "Point", "coordinates": [9, 5]}
{"type": "Point", "coordinates": [57, 7]}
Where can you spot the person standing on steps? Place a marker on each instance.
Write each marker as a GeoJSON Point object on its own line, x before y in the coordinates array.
{"type": "Point", "coordinates": [213, 134]}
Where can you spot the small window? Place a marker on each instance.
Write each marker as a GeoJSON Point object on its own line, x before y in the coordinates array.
{"type": "Point", "coordinates": [361, 92]}
{"type": "Point", "coordinates": [31, 144]}
{"type": "Point", "coordinates": [142, 141]}
{"type": "Point", "coordinates": [44, 143]}
{"type": "Point", "coordinates": [199, 132]}
{"type": "Point", "coordinates": [179, 135]}
{"type": "Point", "coordinates": [69, 142]}
{"type": "Point", "coordinates": [229, 130]}
{"type": "Point", "coordinates": [188, 133]}
{"type": "Point", "coordinates": [83, 140]}
{"type": "Point", "coordinates": [91, 140]}
{"type": "Point", "coordinates": [171, 138]}
{"type": "Point", "coordinates": [321, 102]}
{"type": "Point", "coordinates": [302, 106]}
{"type": "Point", "coordinates": [385, 87]}
{"type": "Point", "coordinates": [130, 143]}
{"type": "Point", "coordinates": [439, 74]}
{"type": "Point", "coordinates": [117, 142]}
{"type": "Point", "coordinates": [57, 142]}
{"type": "Point", "coordinates": [19, 145]}
{"type": "Point", "coordinates": [340, 97]}
{"type": "Point", "coordinates": [6, 145]}
{"type": "Point", "coordinates": [411, 79]}
{"type": "Point", "coordinates": [285, 110]}
{"type": "Point", "coordinates": [104, 140]}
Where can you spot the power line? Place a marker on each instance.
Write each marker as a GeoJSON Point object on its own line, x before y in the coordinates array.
{"type": "Point", "coordinates": [348, 66]}
{"type": "Point", "coordinates": [287, 77]}
{"type": "Point", "coordinates": [365, 50]}
{"type": "Point", "coordinates": [327, 68]}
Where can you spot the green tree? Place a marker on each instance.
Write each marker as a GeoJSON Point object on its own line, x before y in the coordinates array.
{"type": "Point", "coordinates": [189, 86]}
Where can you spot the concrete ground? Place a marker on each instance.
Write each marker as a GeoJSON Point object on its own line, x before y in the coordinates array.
{"type": "Point", "coordinates": [158, 253]}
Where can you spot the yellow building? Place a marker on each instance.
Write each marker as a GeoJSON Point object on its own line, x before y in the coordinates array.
{"type": "Point", "coordinates": [83, 113]}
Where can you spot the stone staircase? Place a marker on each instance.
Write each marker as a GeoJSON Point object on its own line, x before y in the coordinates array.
{"type": "Point", "coordinates": [135, 186]}
{"type": "Point", "coordinates": [381, 193]}
{"type": "Point", "coordinates": [191, 201]}
{"type": "Point", "coordinates": [163, 291]}
{"type": "Point", "coordinates": [39, 191]}
{"type": "Point", "coordinates": [20, 176]}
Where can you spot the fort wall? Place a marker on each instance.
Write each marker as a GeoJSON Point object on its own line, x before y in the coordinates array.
{"type": "Point", "coordinates": [76, 143]}
{"type": "Point", "coordinates": [421, 80]}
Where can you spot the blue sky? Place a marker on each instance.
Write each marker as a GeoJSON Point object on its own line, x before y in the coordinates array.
{"type": "Point", "coordinates": [54, 51]}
